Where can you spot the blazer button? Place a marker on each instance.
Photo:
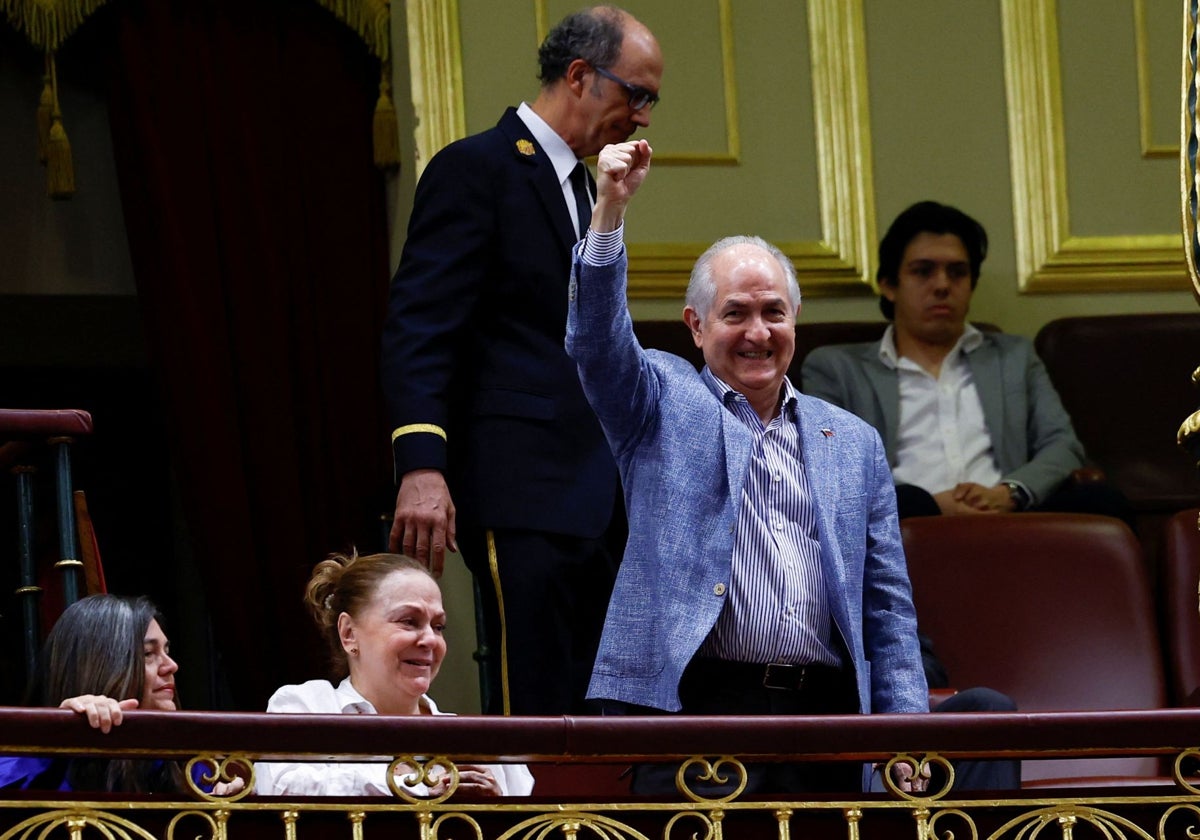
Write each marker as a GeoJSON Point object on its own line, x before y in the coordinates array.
{"type": "Point", "coordinates": [719, 589]}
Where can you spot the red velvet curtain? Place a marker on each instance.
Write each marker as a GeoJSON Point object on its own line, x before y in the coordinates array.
{"type": "Point", "coordinates": [257, 228]}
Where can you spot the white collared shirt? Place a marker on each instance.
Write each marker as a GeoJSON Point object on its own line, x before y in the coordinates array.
{"type": "Point", "coordinates": [943, 439]}
{"type": "Point", "coordinates": [560, 154]}
{"type": "Point", "coordinates": [302, 778]}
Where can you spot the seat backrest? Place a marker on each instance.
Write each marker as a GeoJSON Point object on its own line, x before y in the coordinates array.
{"type": "Point", "coordinates": [1126, 382]}
{"type": "Point", "coordinates": [1181, 605]}
{"type": "Point", "coordinates": [1054, 610]}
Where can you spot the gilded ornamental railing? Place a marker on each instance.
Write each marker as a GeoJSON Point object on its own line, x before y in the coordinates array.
{"type": "Point", "coordinates": [1163, 807]}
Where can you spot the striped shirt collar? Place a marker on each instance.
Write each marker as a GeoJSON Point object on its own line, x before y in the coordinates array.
{"type": "Point", "coordinates": [728, 395]}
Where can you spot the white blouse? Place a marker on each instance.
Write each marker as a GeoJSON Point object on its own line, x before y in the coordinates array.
{"type": "Point", "coordinates": [348, 778]}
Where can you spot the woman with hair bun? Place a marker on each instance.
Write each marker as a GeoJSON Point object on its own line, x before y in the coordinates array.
{"type": "Point", "coordinates": [382, 617]}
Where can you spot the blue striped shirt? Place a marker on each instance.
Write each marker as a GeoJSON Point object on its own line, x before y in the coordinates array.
{"type": "Point", "coordinates": [776, 609]}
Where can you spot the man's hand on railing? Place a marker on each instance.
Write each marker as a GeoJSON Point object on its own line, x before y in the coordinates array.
{"type": "Point", "coordinates": [907, 779]}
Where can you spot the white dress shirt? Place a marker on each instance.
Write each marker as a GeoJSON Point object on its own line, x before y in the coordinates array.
{"type": "Point", "coordinates": [560, 154]}
{"type": "Point", "coordinates": [348, 778]}
{"type": "Point", "coordinates": [943, 439]}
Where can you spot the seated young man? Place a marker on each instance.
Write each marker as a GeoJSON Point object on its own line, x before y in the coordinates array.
{"type": "Point", "coordinates": [970, 420]}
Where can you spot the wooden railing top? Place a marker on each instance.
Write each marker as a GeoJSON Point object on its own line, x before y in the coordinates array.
{"type": "Point", "coordinates": [584, 739]}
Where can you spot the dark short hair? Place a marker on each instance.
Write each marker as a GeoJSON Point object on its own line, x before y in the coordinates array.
{"type": "Point", "coordinates": [593, 34]}
{"type": "Point", "coordinates": [927, 217]}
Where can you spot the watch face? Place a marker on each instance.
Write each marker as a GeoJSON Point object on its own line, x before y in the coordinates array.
{"type": "Point", "coordinates": [1016, 494]}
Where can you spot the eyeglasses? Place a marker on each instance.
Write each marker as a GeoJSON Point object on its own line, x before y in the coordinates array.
{"type": "Point", "coordinates": [639, 97]}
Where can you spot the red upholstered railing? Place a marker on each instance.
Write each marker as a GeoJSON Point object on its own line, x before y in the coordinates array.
{"type": "Point", "coordinates": [43, 423]}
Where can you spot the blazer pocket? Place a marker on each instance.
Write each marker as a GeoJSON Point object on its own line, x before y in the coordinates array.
{"type": "Point", "coordinates": [503, 402]}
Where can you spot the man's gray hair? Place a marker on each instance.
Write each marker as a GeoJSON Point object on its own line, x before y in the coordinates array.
{"type": "Point", "coordinates": [702, 287]}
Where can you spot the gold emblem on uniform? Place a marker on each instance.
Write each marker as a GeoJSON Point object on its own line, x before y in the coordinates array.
{"type": "Point", "coordinates": [525, 147]}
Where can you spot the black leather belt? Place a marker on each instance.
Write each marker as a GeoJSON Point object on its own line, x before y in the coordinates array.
{"type": "Point", "coordinates": [776, 675]}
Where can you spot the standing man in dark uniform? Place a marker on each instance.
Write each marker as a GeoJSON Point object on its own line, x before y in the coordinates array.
{"type": "Point", "coordinates": [497, 452]}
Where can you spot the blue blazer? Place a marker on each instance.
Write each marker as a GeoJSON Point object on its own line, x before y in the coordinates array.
{"type": "Point", "coordinates": [473, 342]}
{"type": "Point", "coordinates": [683, 459]}
{"type": "Point", "coordinates": [1032, 436]}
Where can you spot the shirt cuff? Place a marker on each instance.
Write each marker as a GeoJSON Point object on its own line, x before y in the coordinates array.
{"type": "Point", "coordinates": [601, 249]}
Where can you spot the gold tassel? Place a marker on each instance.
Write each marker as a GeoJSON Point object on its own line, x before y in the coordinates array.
{"type": "Point", "coordinates": [385, 135]}
{"type": "Point", "coordinates": [44, 108]}
{"type": "Point", "coordinates": [60, 171]}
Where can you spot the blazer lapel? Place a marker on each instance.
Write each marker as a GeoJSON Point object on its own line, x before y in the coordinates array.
{"type": "Point", "coordinates": [736, 438]}
{"type": "Point", "coordinates": [987, 371]}
{"type": "Point", "coordinates": [819, 442]}
{"type": "Point", "coordinates": [886, 386]}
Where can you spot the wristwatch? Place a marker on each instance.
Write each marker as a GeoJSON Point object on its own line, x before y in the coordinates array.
{"type": "Point", "coordinates": [1018, 494]}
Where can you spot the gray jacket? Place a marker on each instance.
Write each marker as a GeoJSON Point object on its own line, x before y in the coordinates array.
{"type": "Point", "coordinates": [1031, 432]}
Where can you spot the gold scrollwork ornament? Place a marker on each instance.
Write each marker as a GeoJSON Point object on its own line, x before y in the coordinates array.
{"type": "Point", "coordinates": [408, 771]}
{"type": "Point", "coordinates": [947, 815]}
{"type": "Point", "coordinates": [570, 824]}
{"type": "Point", "coordinates": [1191, 831]}
{"type": "Point", "coordinates": [710, 771]}
{"type": "Point", "coordinates": [436, 825]}
{"type": "Point", "coordinates": [1066, 818]}
{"type": "Point", "coordinates": [219, 772]}
{"type": "Point", "coordinates": [920, 767]}
{"type": "Point", "coordinates": [1191, 755]}
{"type": "Point", "coordinates": [76, 820]}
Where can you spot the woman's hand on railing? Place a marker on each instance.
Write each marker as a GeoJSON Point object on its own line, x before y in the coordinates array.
{"type": "Point", "coordinates": [472, 778]}
{"type": "Point", "coordinates": [102, 712]}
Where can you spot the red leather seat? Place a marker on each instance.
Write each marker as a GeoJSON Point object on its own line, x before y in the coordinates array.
{"type": "Point", "coordinates": [1181, 605]}
{"type": "Point", "coordinates": [1110, 370]}
{"type": "Point", "coordinates": [1054, 610]}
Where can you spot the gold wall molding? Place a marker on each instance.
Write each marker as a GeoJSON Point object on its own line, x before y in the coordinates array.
{"type": "Point", "coordinates": [1049, 257]}
{"type": "Point", "coordinates": [1150, 149]}
{"type": "Point", "coordinates": [840, 261]}
{"type": "Point", "coordinates": [836, 263]}
{"type": "Point", "coordinates": [435, 64]}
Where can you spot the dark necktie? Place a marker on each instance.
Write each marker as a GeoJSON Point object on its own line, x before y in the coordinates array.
{"type": "Point", "coordinates": [583, 202]}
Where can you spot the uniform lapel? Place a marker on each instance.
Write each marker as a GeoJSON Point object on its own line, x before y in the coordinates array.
{"type": "Point", "coordinates": [543, 181]}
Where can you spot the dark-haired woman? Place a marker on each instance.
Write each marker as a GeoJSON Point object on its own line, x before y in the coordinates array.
{"type": "Point", "coordinates": [105, 655]}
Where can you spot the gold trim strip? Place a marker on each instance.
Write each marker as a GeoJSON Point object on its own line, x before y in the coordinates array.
{"type": "Point", "coordinates": [1049, 258]}
{"type": "Point", "coordinates": [414, 428]}
{"type": "Point", "coordinates": [26, 590]}
{"type": "Point", "coordinates": [1145, 117]}
{"type": "Point", "coordinates": [435, 64]}
{"type": "Point", "coordinates": [494, 568]}
{"type": "Point", "coordinates": [68, 561]}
